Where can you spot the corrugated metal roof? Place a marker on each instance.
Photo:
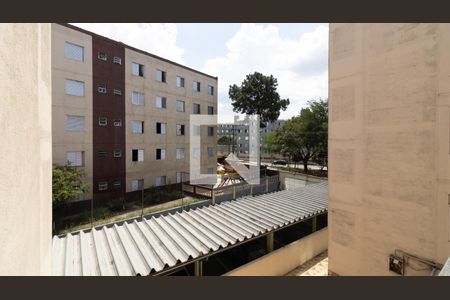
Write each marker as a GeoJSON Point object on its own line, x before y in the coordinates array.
{"type": "Point", "coordinates": [143, 247]}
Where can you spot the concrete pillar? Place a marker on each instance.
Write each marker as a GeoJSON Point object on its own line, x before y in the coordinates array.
{"type": "Point", "coordinates": [269, 242]}
{"type": "Point", "coordinates": [198, 268]}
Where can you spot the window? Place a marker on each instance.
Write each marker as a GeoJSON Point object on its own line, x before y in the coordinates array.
{"type": "Point", "coordinates": [73, 51]}
{"type": "Point", "coordinates": [160, 180]}
{"type": "Point", "coordinates": [180, 153]}
{"type": "Point", "coordinates": [138, 127]}
{"type": "Point", "coordinates": [210, 171]}
{"type": "Point", "coordinates": [75, 158]}
{"type": "Point", "coordinates": [117, 60]}
{"type": "Point", "coordinates": [160, 154]}
{"type": "Point", "coordinates": [75, 123]}
{"type": "Point", "coordinates": [179, 177]}
{"type": "Point", "coordinates": [117, 92]}
{"type": "Point", "coordinates": [102, 121]}
{"type": "Point", "coordinates": [161, 102]}
{"type": "Point", "coordinates": [180, 81]}
{"type": "Point", "coordinates": [196, 153]}
{"type": "Point", "coordinates": [210, 131]}
{"type": "Point", "coordinates": [101, 154]}
{"type": "Point", "coordinates": [210, 110]}
{"type": "Point", "coordinates": [74, 88]}
{"type": "Point", "coordinates": [161, 128]}
{"type": "Point", "coordinates": [137, 155]}
{"type": "Point", "coordinates": [101, 89]}
{"type": "Point", "coordinates": [196, 130]}
{"type": "Point", "coordinates": [196, 86]}
{"type": "Point", "coordinates": [210, 151]}
{"type": "Point", "coordinates": [137, 69]}
{"type": "Point", "coordinates": [117, 153]}
{"type": "Point", "coordinates": [160, 76]}
{"type": "Point", "coordinates": [180, 106]}
{"type": "Point", "coordinates": [103, 186]}
{"type": "Point", "coordinates": [118, 123]}
{"type": "Point", "coordinates": [117, 184]}
{"type": "Point", "coordinates": [102, 56]}
{"type": "Point", "coordinates": [137, 184]}
{"type": "Point", "coordinates": [137, 98]}
{"type": "Point", "coordinates": [210, 90]}
{"type": "Point", "coordinates": [196, 109]}
{"type": "Point", "coordinates": [180, 129]}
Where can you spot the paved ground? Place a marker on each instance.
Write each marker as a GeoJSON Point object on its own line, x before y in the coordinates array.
{"type": "Point", "coordinates": [317, 266]}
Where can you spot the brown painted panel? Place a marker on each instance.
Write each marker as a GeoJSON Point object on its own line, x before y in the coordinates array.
{"type": "Point", "coordinates": [107, 105]}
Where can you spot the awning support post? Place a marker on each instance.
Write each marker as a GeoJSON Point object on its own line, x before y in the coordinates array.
{"type": "Point", "coordinates": [314, 224]}
{"type": "Point", "coordinates": [234, 192]}
{"type": "Point", "coordinates": [198, 268]}
{"type": "Point", "coordinates": [269, 240]}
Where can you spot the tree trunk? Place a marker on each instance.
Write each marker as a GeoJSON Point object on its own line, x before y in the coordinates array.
{"type": "Point", "coordinates": [305, 166]}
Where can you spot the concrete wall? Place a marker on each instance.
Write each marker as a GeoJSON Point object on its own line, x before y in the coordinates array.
{"type": "Point", "coordinates": [150, 114]}
{"type": "Point", "coordinates": [389, 179]}
{"type": "Point", "coordinates": [26, 160]}
{"type": "Point", "coordinates": [289, 180]}
{"type": "Point", "coordinates": [63, 104]}
{"type": "Point", "coordinates": [285, 259]}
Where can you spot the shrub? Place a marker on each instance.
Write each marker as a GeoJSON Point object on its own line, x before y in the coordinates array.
{"type": "Point", "coordinates": [116, 205]}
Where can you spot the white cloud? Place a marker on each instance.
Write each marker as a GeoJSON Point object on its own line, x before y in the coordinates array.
{"type": "Point", "coordinates": [300, 65]}
{"type": "Point", "coordinates": [158, 39]}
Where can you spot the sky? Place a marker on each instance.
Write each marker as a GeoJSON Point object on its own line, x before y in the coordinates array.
{"type": "Point", "coordinates": [296, 54]}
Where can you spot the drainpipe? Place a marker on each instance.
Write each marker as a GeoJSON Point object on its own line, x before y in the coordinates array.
{"type": "Point", "coordinates": [198, 268]}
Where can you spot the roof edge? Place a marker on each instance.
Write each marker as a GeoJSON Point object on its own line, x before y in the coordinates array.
{"type": "Point", "coordinates": [135, 49]}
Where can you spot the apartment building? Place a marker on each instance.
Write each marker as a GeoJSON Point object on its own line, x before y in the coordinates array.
{"type": "Point", "coordinates": [389, 179]}
{"type": "Point", "coordinates": [122, 114]}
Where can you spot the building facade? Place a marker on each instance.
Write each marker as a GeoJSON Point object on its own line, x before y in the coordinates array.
{"type": "Point", "coordinates": [122, 114]}
{"type": "Point", "coordinates": [389, 179]}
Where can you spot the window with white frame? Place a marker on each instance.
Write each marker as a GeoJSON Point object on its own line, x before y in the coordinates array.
{"type": "Point", "coordinates": [196, 86]}
{"type": "Point", "coordinates": [161, 102]}
{"type": "Point", "coordinates": [75, 158]}
{"type": "Point", "coordinates": [73, 51]}
{"type": "Point", "coordinates": [137, 98]}
{"type": "Point", "coordinates": [117, 184]}
{"type": "Point", "coordinates": [117, 60]}
{"type": "Point", "coordinates": [118, 123]}
{"type": "Point", "coordinates": [196, 109]}
{"type": "Point", "coordinates": [137, 184]}
{"type": "Point", "coordinates": [137, 69]}
{"type": "Point", "coordinates": [138, 127]}
{"type": "Point", "coordinates": [210, 90]}
{"type": "Point", "coordinates": [74, 87]}
{"type": "Point", "coordinates": [180, 106]}
{"type": "Point", "coordinates": [180, 81]}
{"type": "Point", "coordinates": [117, 92]}
{"type": "Point", "coordinates": [160, 180]}
{"type": "Point", "coordinates": [160, 154]}
{"type": "Point", "coordinates": [102, 56]}
{"type": "Point", "coordinates": [75, 123]}
{"type": "Point", "coordinates": [210, 151]}
{"type": "Point", "coordinates": [103, 186]}
{"type": "Point", "coordinates": [101, 88]}
{"type": "Point", "coordinates": [137, 155]}
{"type": "Point", "coordinates": [117, 153]}
{"type": "Point", "coordinates": [179, 177]}
{"type": "Point", "coordinates": [196, 152]}
{"type": "Point", "coordinates": [102, 121]}
{"type": "Point", "coordinates": [161, 128]}
{"type": "Point", "coordinates": [160, 76]}
{"type": "Point", "coordinates": [102, 154]}
{"type": "Point", "coordinates": [180, 153]}
{"type": "Point", "coordinates": [196, 130]}
{"type": "Point", "coordinates": [180, 129]}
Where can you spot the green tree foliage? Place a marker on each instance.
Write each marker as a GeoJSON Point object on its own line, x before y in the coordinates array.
{"type": "Point", "coordinates": [225, 140]}
{"type": "Point", "coordinates": [258, 95]}
{"type": "Point", "coordinates": [67, 184]}
{"type": "Point", "coordinates": [303, 137]}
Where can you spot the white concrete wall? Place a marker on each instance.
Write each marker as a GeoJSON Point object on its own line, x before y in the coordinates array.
{"type": "Point", "coordinates": [26, 147]}
{"type": "Point", "coordinates": [389, 166]}
{"type": "Point", "coordinates": [285, 259]}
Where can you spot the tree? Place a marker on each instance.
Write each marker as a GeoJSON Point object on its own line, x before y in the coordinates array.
{"type": "Point", "coordinates": [258, 95]}
{"type": "Point", "coordinates": [303, 137]}
{"type": "Point", "coordinates": [225, 140]}
{"type": "Point", "coordinates": [67, 184]}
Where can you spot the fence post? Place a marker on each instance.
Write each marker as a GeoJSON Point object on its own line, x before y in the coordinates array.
{"type": "Point", "coordinates": [251, 189]}
{"type": "Point", "coordinates": [213, 197]}
{"type": "Point", "coordinates": [234, 192]}
{"type": "Point", "coordinates": [267, 184]}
